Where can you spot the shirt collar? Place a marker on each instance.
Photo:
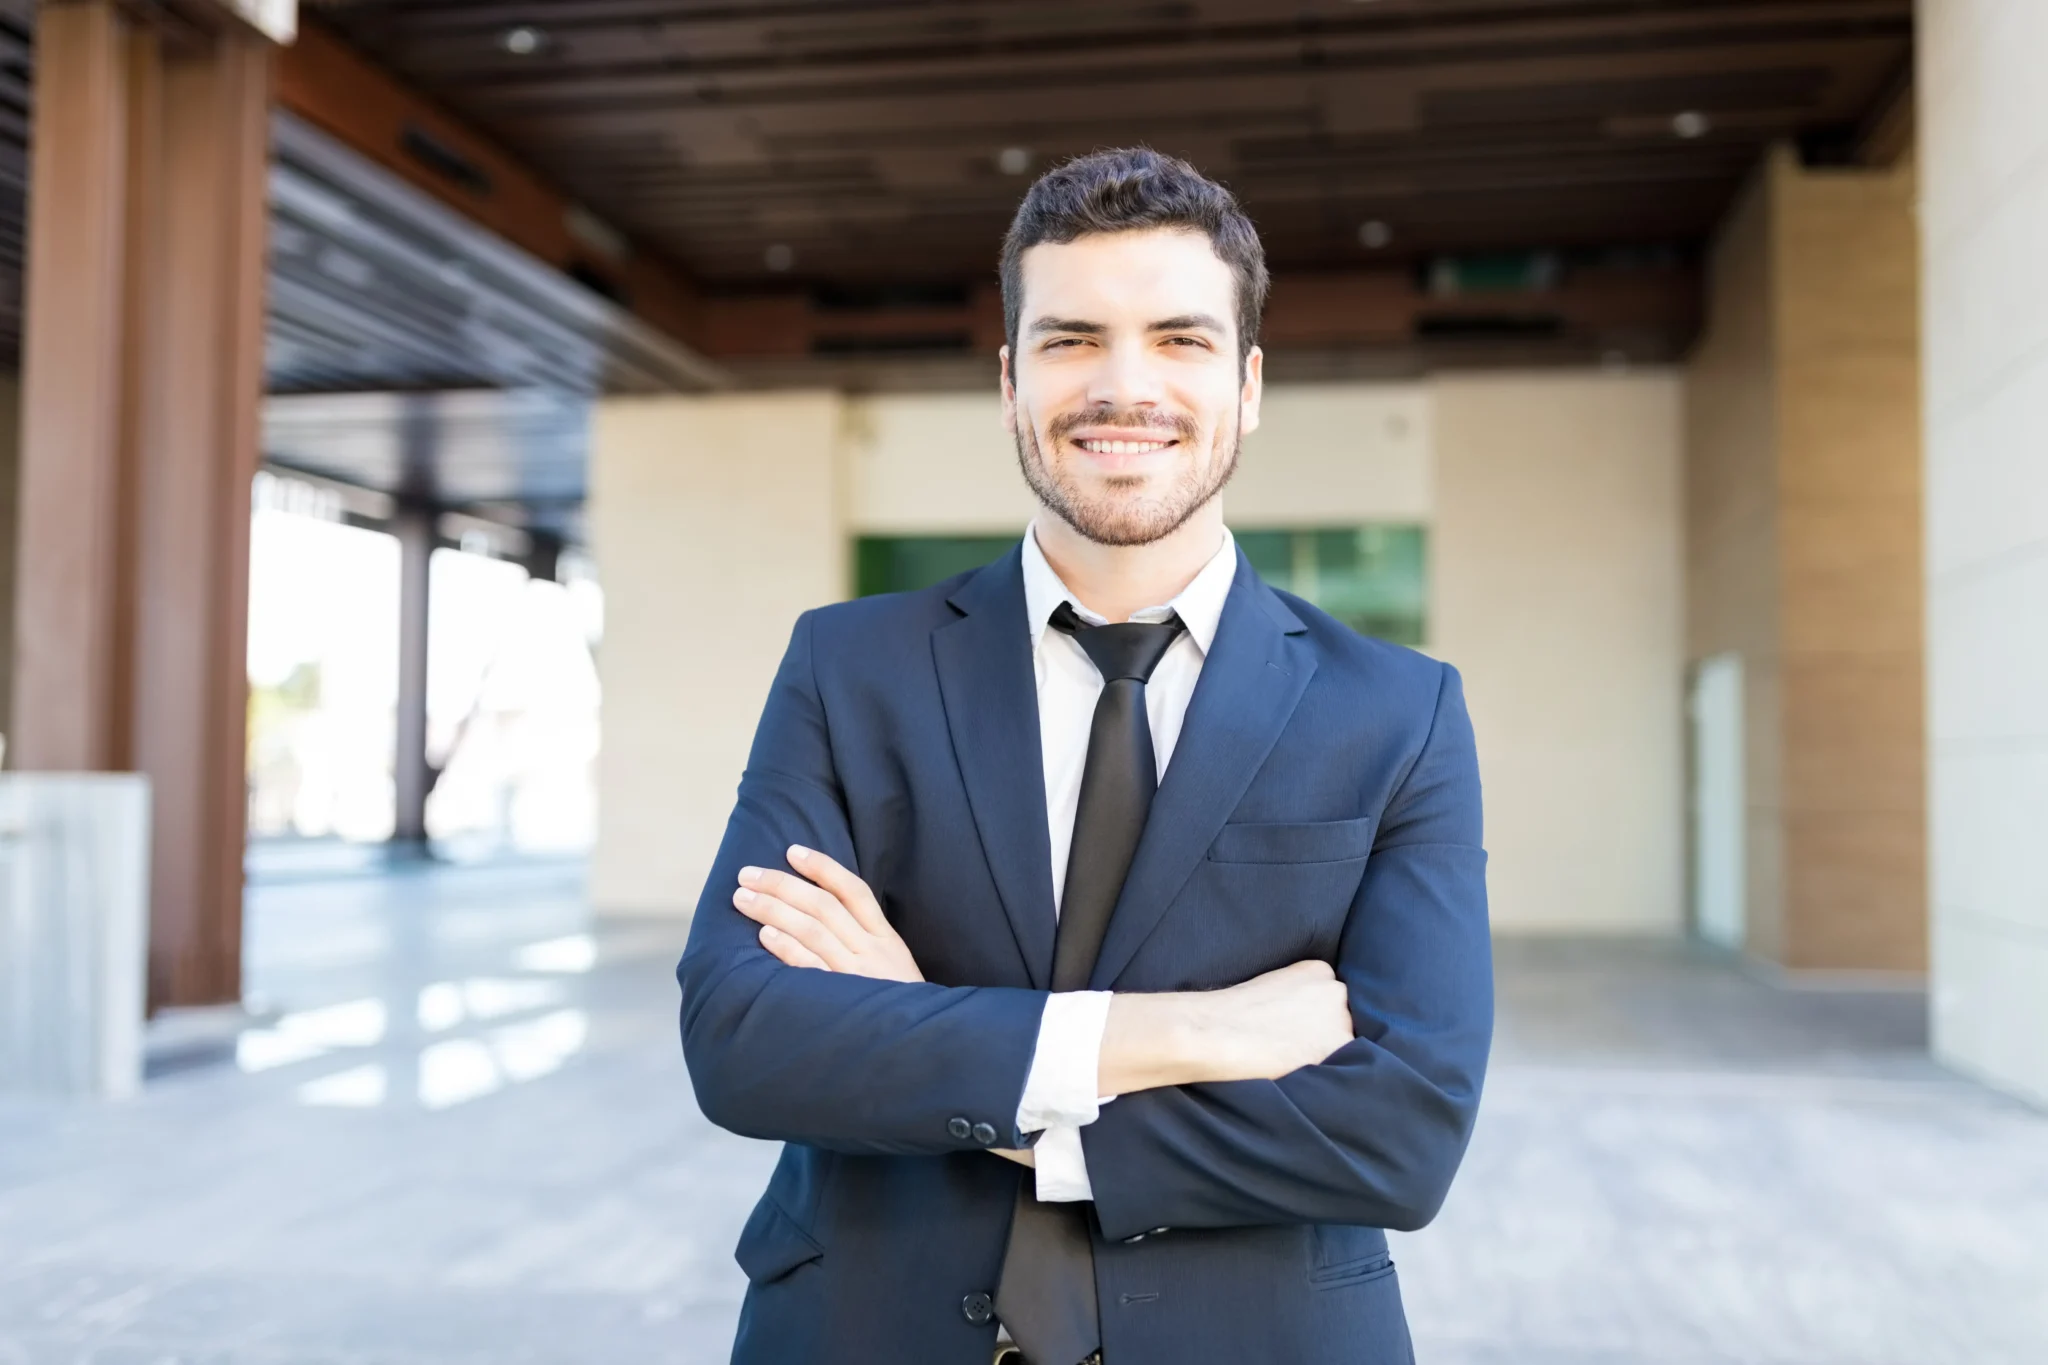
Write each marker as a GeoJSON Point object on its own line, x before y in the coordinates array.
{"type": "Point", "coordinates": [1199, 605]}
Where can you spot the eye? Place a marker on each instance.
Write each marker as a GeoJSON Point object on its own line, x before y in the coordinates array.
{"type": "Point", "coordinates": [1188, 341]}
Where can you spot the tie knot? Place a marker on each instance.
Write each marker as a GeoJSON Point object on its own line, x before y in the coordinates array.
{"type": "Point", "coordinates": [1131, 649]}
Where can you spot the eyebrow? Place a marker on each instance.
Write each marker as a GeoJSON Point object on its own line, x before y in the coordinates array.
{"type": "Point", "coordinates": [1041, 326]}
{"type": "Point", "coordinates": [1186, 322]}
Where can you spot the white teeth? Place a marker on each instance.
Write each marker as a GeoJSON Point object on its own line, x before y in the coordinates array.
{"type": "Point", "coordinates": [1123, 447]}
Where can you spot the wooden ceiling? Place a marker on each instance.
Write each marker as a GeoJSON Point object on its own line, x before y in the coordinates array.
{"type": "Point", "coordinates": [860, 145]}
{"type": "Point", "coordinates": [414, 353]}
{"type": "Point", "coordinates": [835, 175]}
{"type": "Point", "coordinates": [375, 285]}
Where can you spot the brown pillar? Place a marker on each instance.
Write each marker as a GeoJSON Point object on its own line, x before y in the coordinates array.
{"type": "Point", "coordinates": [142, 381]}
{"type": "Point", "coordinates": [1804, 515]}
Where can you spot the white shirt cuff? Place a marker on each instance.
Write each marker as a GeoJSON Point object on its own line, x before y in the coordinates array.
{"type": "Point", "coordinates": [1060, 1089]}
{"type": "Point", "coordinates": [1062, 1166]}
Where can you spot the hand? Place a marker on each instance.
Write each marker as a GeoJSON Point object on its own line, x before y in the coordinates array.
{"type": "Point", "coordinates": [1258, 1030]}
{"type": "Point", "coordinates": [835, 924]}
{"type": "Point", "coordinates": [1276, 1023]}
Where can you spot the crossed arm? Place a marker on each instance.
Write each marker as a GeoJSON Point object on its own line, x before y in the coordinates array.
{"type": "Point", "coordinates": [1269, 1026]}
{"type": "Point", "coordinates": [1223, 1121]}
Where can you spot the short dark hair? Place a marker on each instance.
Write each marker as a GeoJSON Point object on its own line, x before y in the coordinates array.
{"type": "Point", "coordinates": [1126, 189]}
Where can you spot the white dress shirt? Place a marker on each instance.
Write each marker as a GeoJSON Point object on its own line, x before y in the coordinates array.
{"type": "Point", "coordinates": [1060, 1092]}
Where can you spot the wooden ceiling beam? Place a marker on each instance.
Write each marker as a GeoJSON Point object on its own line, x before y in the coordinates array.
{"type": "Point", "coordinates": [322, 81]}
{"type": "Point", "coordinates": [1888, 132]}
{"type": "Point", "coordinates": [572, 92]}
{"type": "Point", "coordinates": [464, 43]}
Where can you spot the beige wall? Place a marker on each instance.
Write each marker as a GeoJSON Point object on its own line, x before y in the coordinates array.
{"type": "Point", "coordinates": [1984, 213]}
{"type": "Point", "coordinates": [932, 463]}
{"type": "Point", "coordinates": [1557, 588]}
{"type": "Point", "coordinates": [1553, 503]}
{"type": "Point", "coordinates": [1327, 454]}
{"type": "Point", "coordinates": [715, 522]}
{"type": "Point", "coordinates": [1804, 549]}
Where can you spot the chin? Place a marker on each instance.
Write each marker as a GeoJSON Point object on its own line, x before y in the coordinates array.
{"type": "Point", "coordinates": [1125, 488]}
{"type": "Point", "coordinates": [1137, 522]}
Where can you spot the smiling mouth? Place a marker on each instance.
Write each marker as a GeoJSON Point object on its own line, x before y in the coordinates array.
{"type": "Point", "coordinates": [1094, 447]}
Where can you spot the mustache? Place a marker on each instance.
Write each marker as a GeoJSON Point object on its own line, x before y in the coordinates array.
{"type": "Point", "coordinates": [1179, 425]}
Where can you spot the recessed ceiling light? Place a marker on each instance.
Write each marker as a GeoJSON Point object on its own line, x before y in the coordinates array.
{"type": "Point", "coordinates": [1691, 124]}
{"type": "Point", "coordinates": [1374, 234]}
{"type": "Point", "coordinates": [1013, 160]}
{"type": "Point", "coordinates": [523, 41]}
{"type": "Point", "coordinates": [780, 257]}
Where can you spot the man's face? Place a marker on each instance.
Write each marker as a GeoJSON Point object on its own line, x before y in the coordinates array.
{"type": "Point", "coordinates": [1125, 394]}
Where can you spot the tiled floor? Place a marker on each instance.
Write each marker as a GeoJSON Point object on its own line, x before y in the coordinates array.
{"type": "Point", "coordinates": [468, 1138]}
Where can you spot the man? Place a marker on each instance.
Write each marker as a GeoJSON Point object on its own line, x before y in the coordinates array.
{"type": "Point", "coordinates": [1108, 817]}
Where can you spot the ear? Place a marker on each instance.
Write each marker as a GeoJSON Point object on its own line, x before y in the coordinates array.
{"type": "Point", "coordinates": [1009, 388]}
{"type": "Point", "coordinates": [1253, 391]}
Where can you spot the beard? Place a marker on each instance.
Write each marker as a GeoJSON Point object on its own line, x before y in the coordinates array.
{"type": "Point", "coordinates": [1119, 513]}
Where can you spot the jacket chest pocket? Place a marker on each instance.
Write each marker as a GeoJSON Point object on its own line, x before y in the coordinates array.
{"type": "Point", "coordinates": [1320, 841]}
{"type": "Point", "coordinates": [1283, 891]}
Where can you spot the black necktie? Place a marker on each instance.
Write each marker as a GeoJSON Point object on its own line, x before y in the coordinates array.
{"type": "Point", "coordinates": [1047, 1295]}
{"type": "Point", "coordinates": [1117, 784]}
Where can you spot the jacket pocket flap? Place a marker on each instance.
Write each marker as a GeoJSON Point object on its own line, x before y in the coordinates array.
{"type": "Point", "coordinates": [771, 1245]}
{"type": "Point", "coordinates": [1328, 841]}
{"type": "Point", "coordinates": [1345, 1253]}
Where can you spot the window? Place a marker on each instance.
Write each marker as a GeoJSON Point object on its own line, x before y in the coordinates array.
{"type": "Point", "coordinates": [1372, 578]}
{"type": "Point", "coordinates": [905, 563]}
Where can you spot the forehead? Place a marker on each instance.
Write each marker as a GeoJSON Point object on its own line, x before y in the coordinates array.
{"type": "Point", "coordinates": [1127, 276]}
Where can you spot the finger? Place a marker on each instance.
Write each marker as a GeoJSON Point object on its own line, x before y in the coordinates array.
{"type": "Point", "coordinates": [812, 900]}
{"type": "Point", "coordinates": [804, 928]}
{"type": "Point", "coordinates": [789, 950]}
{"type": "Point", "coordinates": [852, 892]}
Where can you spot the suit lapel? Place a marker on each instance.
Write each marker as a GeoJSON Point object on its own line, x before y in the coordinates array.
{"type": "Point", "coordinates": [1251, 681]}
{"type": "Point", "coordinates": [990, 692]}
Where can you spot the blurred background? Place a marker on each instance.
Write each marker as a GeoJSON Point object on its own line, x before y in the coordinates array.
{"type": "Point", "coordinates": [421, 423]}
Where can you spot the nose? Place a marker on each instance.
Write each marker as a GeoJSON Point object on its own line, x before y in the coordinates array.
{"type": "Point", "coordinates": [1125, 378]}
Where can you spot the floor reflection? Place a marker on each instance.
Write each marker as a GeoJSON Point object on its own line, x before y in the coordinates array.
{"type": "Point", "coordinates": [464, 1069]}
{"type": "Point", "coordinates": [359, 1087]}
{"type": "Point", "coordinates": [312, 1033]}
{"type": "Point", "coordinates": [484, 992]}
{"type": "Point", "coordinates": [574, 953]}
{"type": "Point", "coordinates": [445, 1004]}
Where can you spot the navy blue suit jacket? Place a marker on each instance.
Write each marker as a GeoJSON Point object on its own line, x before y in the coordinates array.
{"type": "Point", "coordinates": [1322, 802]}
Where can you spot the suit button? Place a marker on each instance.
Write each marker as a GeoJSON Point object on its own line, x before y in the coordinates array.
{"type": "Point", "coordinates": [1133, 1241]}
{"type": "Point", "coordinates": [977, 1308]}
{"type": "Point", "coordinates": [985, 1134]}
{"type": "Point", "coordinates": [960, 1128]}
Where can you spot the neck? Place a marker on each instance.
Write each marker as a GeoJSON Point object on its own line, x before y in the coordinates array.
{"type": "Point", "coordinates": [1114, 581]}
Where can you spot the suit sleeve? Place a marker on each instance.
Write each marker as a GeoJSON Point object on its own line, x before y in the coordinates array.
{"type": "Point", "coordinates": [1373, 1135]}
{"type": "Point", "coordinates": [841, 1062]}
